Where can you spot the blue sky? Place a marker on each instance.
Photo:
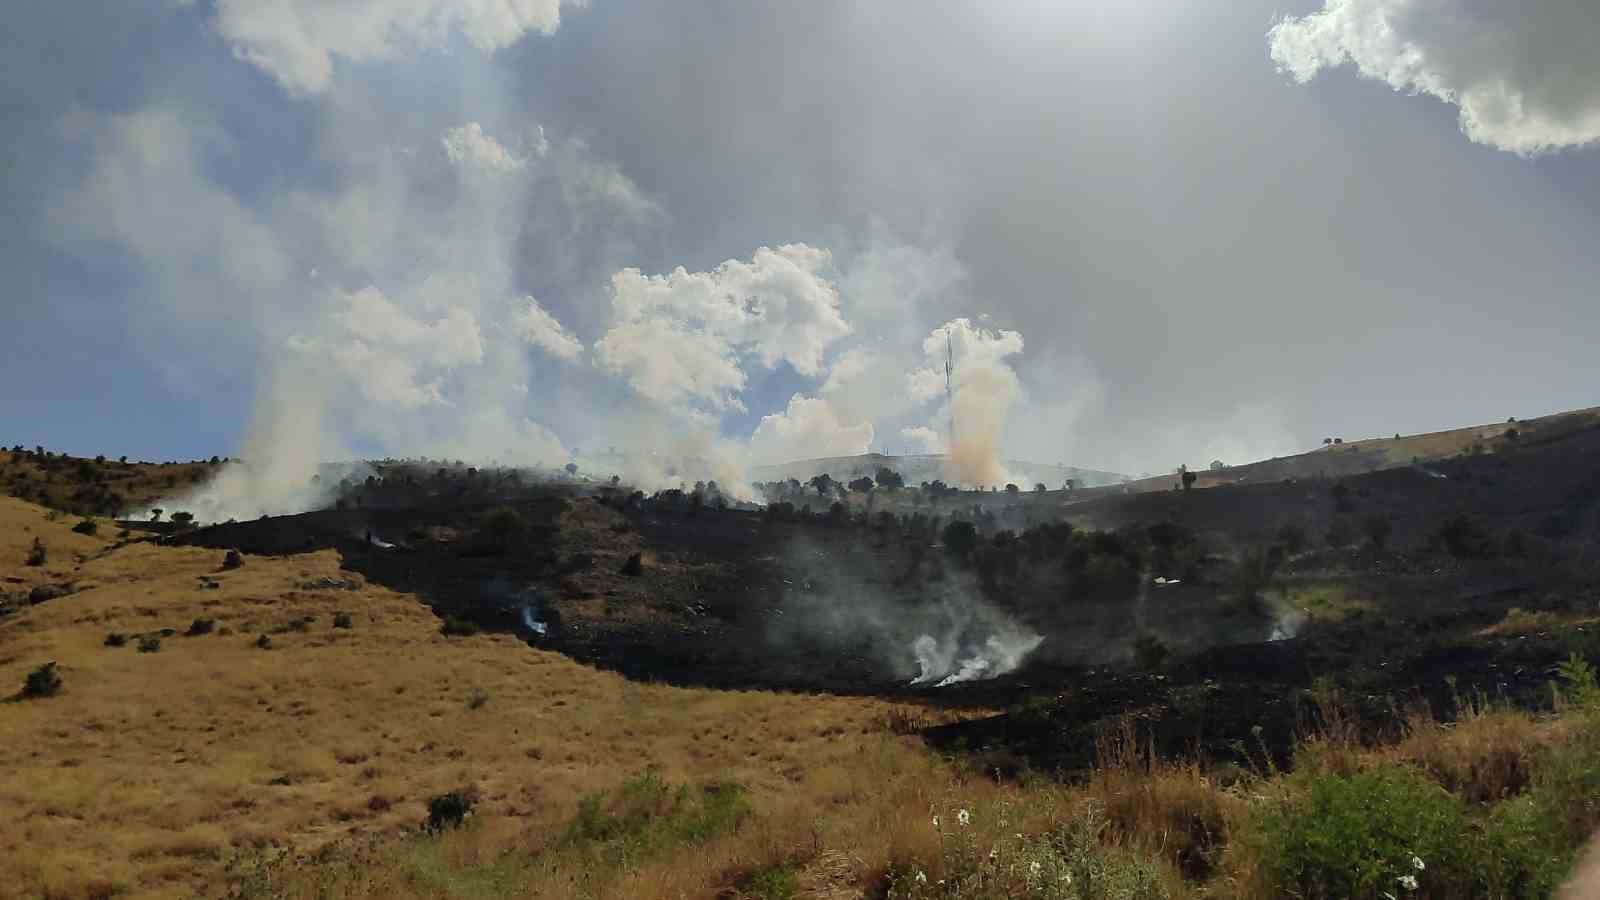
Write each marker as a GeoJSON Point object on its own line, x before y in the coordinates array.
{"type": "Point", "coordinates": [1210, 242]}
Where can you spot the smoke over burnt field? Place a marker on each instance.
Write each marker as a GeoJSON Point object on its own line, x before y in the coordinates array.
{"type": "Point", "coordinates": [1197, 624]}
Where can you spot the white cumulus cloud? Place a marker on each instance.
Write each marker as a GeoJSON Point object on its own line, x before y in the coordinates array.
{"type": "Point", "coordinates": [1525, 75]}
{"type": "Point", "coordinates": [808, 428]}
{"type": "Point", "coordinates": [296, 41]}
{"type": "Point", "coordinates": [388, 354]}
{"type": "Point", "coordinates": [470, 147]}
{"type": "Point", "coordinates": [541, 329]}
{"type": "Point", "coordinates": [680, 337]}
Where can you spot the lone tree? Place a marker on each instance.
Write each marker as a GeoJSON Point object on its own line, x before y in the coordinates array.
{"type": "Point", "coordinates": [1188, 477]}
{"type": "Point", "coordinates": [824, 484]}
{"type": "Point", "coordinates": [1012, 489]}
{"type": "Point", "coordinates": [183, 519]}
{"type": "Point", "coordinates": [155, 514]}
{"type": "Point", "coordinates": [1039, 488]}
{"type": "Point", "coordinates": [572, 468]}
{"type": "Point", "coordinates": [959, 538]}
{"type": "Point", "coordinates": [1377, 528]}
{"type": "Point", "coordinates": [501, 526]}
{"type": "Point", "coordinates": [889, 478]}
{"type": "Point", "coordinates": [862, 485]}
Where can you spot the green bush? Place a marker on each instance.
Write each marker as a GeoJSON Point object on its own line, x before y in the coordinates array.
{"type": "Point", "coordinates": [450, 810]}
{"type": "Point", "coordinates": [1070, 863]}
{"type": "Point", "coordinates": [455, 626]}
{"type": "Point", "coordinates": [501, 527]}
{"type": "Point", "coordinates": [149, 644]}
{"type": "Point", "coordinates": [778, 882]}
{"type": "Point", "coordinates": [959, 538]}
{"type": "Point", "coordinates": [1149, 651]}
{"type": "Point", "coordinates": [1363, 835]}
{"type": "Point", "coordinates": [116, 639]}
{"type": "Point", "coordinates": [647, 815]}
{"type": "Point", "coordinates": [343, 620]}
{"type": "Point", "coordinates": [87, 526]}
{"type": "Point", "coordinates": [199, 627]}
{"type": "Point", "coordinates": [37, 553]}
{"type": "Point", "coordinates": [44, 681]}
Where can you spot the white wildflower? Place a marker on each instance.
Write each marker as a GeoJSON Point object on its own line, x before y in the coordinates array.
{"type": "Point", "coordinates": [1409, 882]}
{"type": "Point", "coordinates": [1033, 868]}
{"type": "Point", "coordinates": [994, 853]}
{"type": "Point", "coordinates": [963, 817]}
{"type": "Point", "coordinates": [1416, 863]}
{"type": "Point", "coordinates": [935, 823]}
{"type": "Point", "coordinates": [921, 877]}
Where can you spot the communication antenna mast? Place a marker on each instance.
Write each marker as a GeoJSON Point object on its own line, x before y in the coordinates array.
{"type": "Point", "coordinates": [949, 390]}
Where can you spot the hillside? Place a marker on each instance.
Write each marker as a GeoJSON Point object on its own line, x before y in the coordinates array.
{"type": "Point", "coordinates": [919, 468]}
{"type": "Point", "coordinates": [730, 703]}
{"type": "Point", "coordinates": [153, 773]}
{"type": "Point", "coordinates": [1374, 454]}
{"type": "Point", "coordinates": [97, 486]}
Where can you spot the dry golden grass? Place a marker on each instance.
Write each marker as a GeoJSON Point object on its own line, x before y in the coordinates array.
{"type": "Point", "coordinates": [150, 770]}
{"type": "Point", "coordinates": [167, 774]}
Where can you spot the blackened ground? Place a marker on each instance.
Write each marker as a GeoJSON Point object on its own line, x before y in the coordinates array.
{"type": "Point", "coordinates": [715, 586]}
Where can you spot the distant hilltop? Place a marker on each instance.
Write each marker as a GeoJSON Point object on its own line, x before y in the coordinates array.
{"type": "Point", "coordinates": [931, 467]}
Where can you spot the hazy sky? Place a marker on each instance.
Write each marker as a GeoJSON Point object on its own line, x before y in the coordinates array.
{"type": "Point", "coordinates": [461, 222]}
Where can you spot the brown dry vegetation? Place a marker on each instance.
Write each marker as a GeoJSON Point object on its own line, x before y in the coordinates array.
{"type": "Point", "coordinates": [303, 770]}
{"type": "Point", "coordinates": [151, 770]}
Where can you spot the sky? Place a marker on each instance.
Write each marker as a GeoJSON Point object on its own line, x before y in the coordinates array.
{"type": "Point", "coordinates": [1155, 231]}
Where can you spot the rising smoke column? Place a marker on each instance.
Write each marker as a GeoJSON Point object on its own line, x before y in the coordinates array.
{"type": "Point", "coordinates": [982, 389]}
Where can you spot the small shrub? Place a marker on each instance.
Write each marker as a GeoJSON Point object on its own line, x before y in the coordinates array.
{"type": "Point", "coordinates": [1149, 651]}
{"type": "Point", "coordinates": [779, 882]}
{"type": "Point", "coordinates": [1377, 528]}
{"type": "Point", "coordinates": [455, 626]}
{"type": "Point", "coordinates": [959, 538]}
{"type": "Point", "coordinates": [451, 809]}
{"type": "Point", "coordinates": [1465, 538]}
{"type": "Point", "coordinates": [634, 565]}
{"type": "Point", "coordinates": [501, 527]}
{"type": "Point", "coordinates": [116, 639]}
{"type": "Point", "coordinates": [232, 560]}
{"type": "Point", "coordinates": [87, 526]}
{"type": "Point", "coordinates": [44, 681]}
{"type": "Point", "coordinates": [263, 643]}
{"type": "Point", "coordinates": [199, 627]}
{"type": "Point", "coordinates": [343, 620]}
{"type": "Point", "coordinates": [1362, 835]}
{"type": "Point", "coordinates": [149, 644]}
{"type": "Point", "coordinates": [37, 554]}
{"type": "Point", "coordinates": [477, 699]}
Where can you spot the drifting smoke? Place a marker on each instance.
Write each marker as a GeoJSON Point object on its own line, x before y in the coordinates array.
{"type": "Point", "coordinates": [280, 455]}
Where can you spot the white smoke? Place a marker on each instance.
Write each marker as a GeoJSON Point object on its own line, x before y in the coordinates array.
{"type": "Point", "coordinates": [280, 454]}
{"type": "Point", "coordinates": [944, 664]}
